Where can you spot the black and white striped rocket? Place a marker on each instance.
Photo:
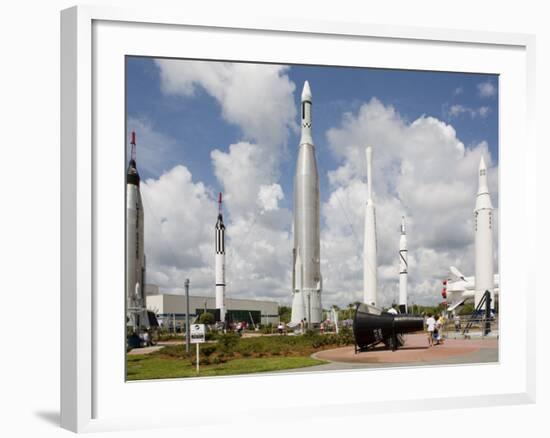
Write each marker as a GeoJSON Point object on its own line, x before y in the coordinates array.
{"type": "Point", "coordinates": [135, 253]}
{"type": "Point", "coordinates": [306, 266]}
{"type": "Point", "coordinates": [220, 261]}
{"type": "Point", "coordinates": [403, 268]}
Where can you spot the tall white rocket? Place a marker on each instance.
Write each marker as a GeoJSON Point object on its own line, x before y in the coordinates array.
{"type": "Point", "coordinates": [135, 254]}
{"type": "Point", "coordinates": [220, 261]}
{"type": "Point", "coordinates": [483, 222]}
{"type": "Point", "coordinates": [370, 275]}
{"type": "Point", "coordinates": [306, 266]}
{"type": "Point", "coordinates": [403, 268]}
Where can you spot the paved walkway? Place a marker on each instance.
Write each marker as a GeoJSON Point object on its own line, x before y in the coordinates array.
{"type": "Point", "coordinates": [145, 350]}
{"type": "Point", "coordinates": [415, 352]}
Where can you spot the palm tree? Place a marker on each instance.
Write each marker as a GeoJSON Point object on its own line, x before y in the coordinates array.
{"type": "Point", "coordinates": [351, 308]}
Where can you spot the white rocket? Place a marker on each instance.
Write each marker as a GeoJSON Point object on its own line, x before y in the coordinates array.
{"type": "Point", "coordinates": [220, 261]}
{"type": "Point", "coordinates": [135, 257]}
{"type": "Point", "coordinates": [370, 275]}
{"type": "Point", "coordinates": [483, 219]}
{"type": "Point", "coordinates": [403, 268]}
{"type": "Point", "coordinates": [306, 266]}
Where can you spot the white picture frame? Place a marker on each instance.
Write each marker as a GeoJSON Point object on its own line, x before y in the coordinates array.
{"type": "Point", "coordinates": [93, 396]}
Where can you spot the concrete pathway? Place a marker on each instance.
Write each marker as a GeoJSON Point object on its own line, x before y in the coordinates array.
{"type": "Point", "coordinates": [145, 350]}
{"type": "Point", "coordinates": [415, 352]}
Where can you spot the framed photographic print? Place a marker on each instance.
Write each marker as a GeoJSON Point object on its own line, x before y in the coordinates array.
{"type": "Point", "coordinates": [278, 210]}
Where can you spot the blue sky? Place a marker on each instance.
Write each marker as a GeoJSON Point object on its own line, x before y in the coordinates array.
{"type": "Point", "coordinates": [202, 124]}
{"type": "Point", "coordinates": [198, 127]}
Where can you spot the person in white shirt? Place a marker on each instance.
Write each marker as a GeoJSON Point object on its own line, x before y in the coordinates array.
{"type": "Point", "coordinates": [430, 327]}
{"type": "Point", "coordinates": [457, 323]}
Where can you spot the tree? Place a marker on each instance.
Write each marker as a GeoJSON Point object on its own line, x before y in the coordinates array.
{"type": "Point", "coordinates": [207, 318]}
{"type": "Point", "coordinates": [285, 313]}
{"type": "Point", "coordinates": [466, 309]}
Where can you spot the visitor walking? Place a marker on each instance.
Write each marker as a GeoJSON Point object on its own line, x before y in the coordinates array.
{"type": "Point", "coordinates": [457, 323]}
{"type": "Point", "coordinates": [430, 327]}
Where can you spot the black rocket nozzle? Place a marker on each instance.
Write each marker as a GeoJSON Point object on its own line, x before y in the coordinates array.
{"type": "Point", "coordinates": [371, 326]}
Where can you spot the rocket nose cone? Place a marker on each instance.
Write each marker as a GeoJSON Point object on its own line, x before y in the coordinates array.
{"type": "Point", "coordinates": [306, 92]}
{"type": "Point", "coordinates": [482, 164]}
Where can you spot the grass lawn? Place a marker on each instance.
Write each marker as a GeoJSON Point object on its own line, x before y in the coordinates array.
{"type": "Point", "coordinates": [140, 367]}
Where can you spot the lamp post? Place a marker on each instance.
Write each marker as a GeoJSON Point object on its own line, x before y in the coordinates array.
{"type": "Point", "coordinates": [187, 339]}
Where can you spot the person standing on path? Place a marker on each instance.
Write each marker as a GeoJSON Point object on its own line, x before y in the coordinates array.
{"type": "Point", "coordinates": [430, 327]}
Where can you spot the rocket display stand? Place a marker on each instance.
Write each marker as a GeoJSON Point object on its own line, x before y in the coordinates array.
{"type": "Point", "coordinates": [485, 301]}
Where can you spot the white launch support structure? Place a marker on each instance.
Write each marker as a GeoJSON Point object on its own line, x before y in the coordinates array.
{"type": "Point", "coordinates": [483, 220]}
{"type": "Point", "coordinates": [403, 269]}
{"type": "Point", "coordinates": [306, 266]}
{"type": "Point", "coordinates": [370, 275]}
{"type": "Point", "coordinates": [135, 253]}
{"type": "Point", "coordinates": [461, 289]}
{"type": "Point", "coordinates": [220, 261]}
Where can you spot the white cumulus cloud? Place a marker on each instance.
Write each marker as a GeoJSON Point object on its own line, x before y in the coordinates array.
{"type": "Point", "coordinates": [486, 89]}
{"type": "Point", "coordinates": [258, 99]}
{"type": "Point", "coordinates": [421, 170]}
{"type": "Point", "coordinates": [458, 110]}
{"type": "Point", "coordinates": [178, 245]}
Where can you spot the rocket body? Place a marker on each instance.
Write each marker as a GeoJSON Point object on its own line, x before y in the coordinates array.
{"type": "Point", "coordinates": [403, 269]}
{"type": "Point", "coordinates": [483, 223]}
{"type": "Point", "coordinates": [370, 263]}
{"type": "Point", "coordinates": [220, 264]}
{"type": "Point", "coordinates": [135, 253]}
{"type": "Point", "coordinates": [306, 278]}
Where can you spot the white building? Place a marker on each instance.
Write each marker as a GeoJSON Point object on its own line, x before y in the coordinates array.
{"type": "Point", "coordinates": [170, 308]}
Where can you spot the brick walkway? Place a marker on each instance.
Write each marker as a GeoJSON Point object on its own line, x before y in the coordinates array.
{"type": "Point", "coordinates": [415, 350]}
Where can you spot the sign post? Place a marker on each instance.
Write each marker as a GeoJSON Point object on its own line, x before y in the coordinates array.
{"type": "Point", "coordinates": [187, 315]}
{"type": "Point", "coordinates": [198, 356]}
{"type": "Point", "coordinates": [198, 336]}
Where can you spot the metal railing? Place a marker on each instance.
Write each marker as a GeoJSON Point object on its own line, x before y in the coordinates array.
{"type": "Point", "coordinates": [466, 324]}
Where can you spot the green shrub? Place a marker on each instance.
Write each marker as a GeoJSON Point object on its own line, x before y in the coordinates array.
{"type": "Point", "coordinates": [172, 351]}
{"type": "Point", "coordinates": [203, 361]}
{"type": "Point", "coordinates": [267, 329]}
{"type": "Point", "coordinates": [345, 337]}
{"type": "Point", "coordinates": [207, 350]}
{"type": "Point", "coordinates": [228, 342]}
{"type": "Point", "coordinates": [285, 350]}
{"type": "Point", "coordinates": [258, 347]}
{"type": "Point", "coordinates": [246, 349]}
{"type": "Point", "coordinates": [207, 318]}
{"type": "Point", "coordinates": [211, 335]}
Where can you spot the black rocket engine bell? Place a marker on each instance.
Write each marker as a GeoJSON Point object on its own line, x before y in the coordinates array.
{"type": "Point", "coordinates": [371, 326]}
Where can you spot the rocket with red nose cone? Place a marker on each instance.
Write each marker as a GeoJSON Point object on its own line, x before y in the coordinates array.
{"type": "Point", "coordinates": [306, 267]}
{"type": "Point", "coordinates": [135, 256]}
